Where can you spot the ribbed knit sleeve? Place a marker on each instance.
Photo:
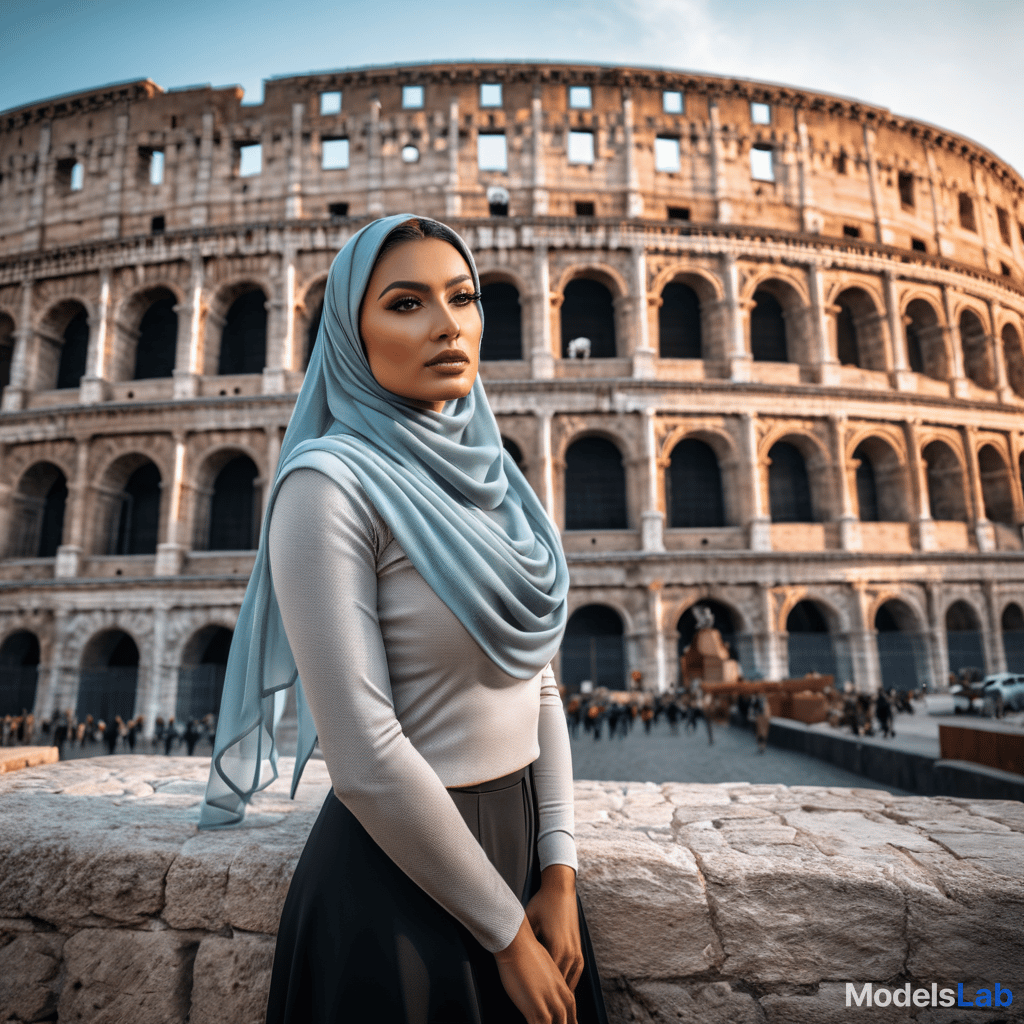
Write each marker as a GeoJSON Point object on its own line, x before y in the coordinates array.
{"type": "Point", "coordinates": [552, 777]}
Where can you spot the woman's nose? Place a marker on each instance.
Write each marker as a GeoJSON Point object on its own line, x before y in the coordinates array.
{"type": "Point", "coordinates": [446, 326]}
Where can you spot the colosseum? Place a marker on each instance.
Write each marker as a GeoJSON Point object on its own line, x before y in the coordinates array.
{"type": "Point", "coordinates": [756, 348]}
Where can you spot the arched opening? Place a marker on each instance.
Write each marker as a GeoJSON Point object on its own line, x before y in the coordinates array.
{"type": "Point", "coordinates": [789, 487]}
{"type": "Point", "coordinates": [926, 344]}
{"type": "Point", "coordinates": [6, 349]}
{"type": "Point", "coordinates": [109, 677]}
{"type": "Point", "coordinates": [809, 643]}
{"type": "Point", "coordinates": [1012, 621]}
{"type": "Point", "coordinates": [964, 641]}
{"type": "Point", "coordinates": [313, 332]}
{"type": "Point", "coordinates": [867, 488]}
{"type": "Point", "coordinates": [694, 486]}
{"type": "Point", "coordinates": [588, 311]}
{"type": "Point", "coordinates": [513, 449]}
{"type": "Point", "coordinates": [134, 515]}
{"type": "Point", "coordinates": [503, 322]}
{"type": "Point", "coordinates": [233, 522]}
{"type": "Point", "coordinates": [37, 523]}
{"type": "Point", "coordinates": [725, 623]}
{"type": "Point", "coordinates": [996, 487]}
{"type": "Point", "coordinates": [768, 342]}
{"type": "Point", "coordinates": [593, 649]}
{"type": "Point", "coordinates": [201, 676]}
{"type": "Point", "coordinates": [595, 486]}
{"type": "Point", "coordinates": [243, 342]}
{"type": "Point", "coordinates": [946, 496]}
{"type": "Point", "coordinates": [974, 342]}
{"type": "Point", "coordinates": [1013, 356]}
{"type": "Point", "coordinates": [901, 654]}
{"type": "Point", "coordinates": [19, 673]}
{"type": "Point", "coordinates": [860, 340]}
{"type": "Point", "coordinates": [679, 327]}
{"type": "Point", "coordinates": [74, 350]}
{"type": "Point", "coordinates": [881, 483]}
{"type": "Point", "coordinates": [158, 338]}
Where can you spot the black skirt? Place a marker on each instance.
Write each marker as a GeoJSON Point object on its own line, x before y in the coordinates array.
{"type": "Point", "coordinates": [359, 941]}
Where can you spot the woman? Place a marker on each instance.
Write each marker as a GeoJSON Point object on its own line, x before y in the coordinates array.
{"type": "Point", "coordinates": [409, 577]}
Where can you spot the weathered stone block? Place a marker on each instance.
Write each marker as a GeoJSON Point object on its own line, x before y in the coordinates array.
{"type": "Point", "coordinates": [232, 979]}
{"type": "Point", "coordinates": [29, 976]}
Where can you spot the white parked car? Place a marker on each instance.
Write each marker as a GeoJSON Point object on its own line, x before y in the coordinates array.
{"type": "Point", "coordinates": [1008, 685]}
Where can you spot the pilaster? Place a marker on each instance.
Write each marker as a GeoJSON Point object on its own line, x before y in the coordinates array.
{"type": "Point", "coordinates": [293, 199]}
{"type": "Point", "coordinates": [542, 360]}
{"type": "Point", "coordinates": [374, 167]}
{"type": "Point", "coordinates": [540, 193]}
{"type": "Point", "coordinates": [634, 200]}
{"type": "Point", "coordinates": [452, 196]}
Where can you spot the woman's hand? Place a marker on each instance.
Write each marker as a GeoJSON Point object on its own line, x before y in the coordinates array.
{"type": "Point", "coordinates": [555, 920]}
{"type": "Point", "coordinates": [532, 980]}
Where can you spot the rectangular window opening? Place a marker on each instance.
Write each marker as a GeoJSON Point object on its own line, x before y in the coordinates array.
{"type": "Point", "coordinates": [337, 209]}
{"type": "Point", "coordinates": [158, 225]}
{"type": "Point", "coordinates": [1004, 224]}
{"type": "Point", "coordinates": [906, 187]}
{"type": "Point", "coordinates": [918, 245]}
{"type": "Point", "coordinates": [1004, 269]}
{"type": "Point", "coordinates": [666, 154]}
{"type": "Point", "coordinates": [490, 94]}
{"type": "Point", "coordinates": [760, 113]}
{"type": "Point", "coordinates": [497, 209]}
{"type": "Point", "coordinates": [250, 160]}
{"type": "Point", "coordinates": [840, 163]}
{"type": "Point", "coordinates": [762, 166]}
{"type": "Point", "coordinates": [678, 213]}
{"type": "Point", "coordinates": [579, 97]}
{"type": "Point", "coordinates": [967, 213]}
{"type": "Point", "coordinates": [672, 102]}
{"type": "Point", "coordinates": [584, 209]}
{"type": "Point", "coordinates": [851, 231]}
{"type": "Point", "coordinates": [156, 166]}
{"type": "Point", "coordinates": [581, 147]}
{"type": "Point", "coordinates": [334, 154]}
{"type": "Point", "coordinates": [412, 97]}
{"type": "Point", "coordinates": [492, 152]}
{"type": "Point", "coordinates": [330, 103]}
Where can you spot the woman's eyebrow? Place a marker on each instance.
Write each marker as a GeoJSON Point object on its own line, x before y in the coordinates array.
{"type": "Point", "coordinates": [416, 286]}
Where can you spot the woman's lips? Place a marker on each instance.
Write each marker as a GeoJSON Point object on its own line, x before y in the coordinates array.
{"type": "Point", "coordinates": [451, 361]}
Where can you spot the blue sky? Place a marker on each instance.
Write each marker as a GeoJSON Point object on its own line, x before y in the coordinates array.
{"type": "Point", "coordinates": [958, 65]}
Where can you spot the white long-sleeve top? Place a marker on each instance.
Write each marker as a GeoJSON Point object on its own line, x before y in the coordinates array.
{"type": "Point", "coordinates": [406, 703]}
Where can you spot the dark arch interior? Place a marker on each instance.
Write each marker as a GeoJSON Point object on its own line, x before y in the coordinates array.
{"type": "Point", "coordinates": [1012, 621]}
{"type": "Point", "coordinates": [74, 351]}
{"type": "Point", "coordinates": [679, 328]}
{"type": "Point", "coordinates": [200, 685]}
{"type": "Point", "coordinates": [867, 487]}
{"type": "Point", "coordinates": [158, 339]}
{"type": "Point", "coordinates": [595, 486]}
{"type": "Point", "coordinates": [811, 649]}
{"type": "Point", "coordinates": [924, 345]}
{"type": "Point", "coordinates": [139, 517]}
{"type": "Point", "coordinates": [313, 331]}
{"type": "Point", "coordinates": [19, 671]}
{"type": "Point", "coordinates": [847, 347]}
{"type": "Point", "coordinates": [592, 648]}
{"type": "Point", "coordinates": [503, 322]}
{"type": "Point", "coordinates": [107, 683]}
{"type": "Point", "coordinates": [513, 449]}
{"type": "Point", "coordinates": [768, 329]}
{"type": "Point", "coordinates": [899, 645]}
{"type": "Point", "coordinates": [243, 342]}
{"type": "Point", "coordinates": [974, 343]}
{"type": "Point", "coordinates": [6, 349]}
{"type": "Point", "coordinates": [945, 483]}
{"type": "Point", "coordinates": [789, 486]}
{"type": "Point", "coordinates": [233, 520]}
{"type": "Point", "coordinates": [964, 641]}
{"type": "Point", "coordinates": [37, 527]}
{"type": "Point", "coordinates": [695, 486]}
{"type": "Point", "coordinates": [995, 486]}
{"type": "Point", "coordinates": [588, 312]}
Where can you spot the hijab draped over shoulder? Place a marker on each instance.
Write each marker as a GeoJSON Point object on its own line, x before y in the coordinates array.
{"type": "Point", "coordinates": [453, 498]}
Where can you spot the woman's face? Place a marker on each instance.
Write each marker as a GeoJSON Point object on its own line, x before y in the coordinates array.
{"type": "Point", "coordinates": [420, 324]}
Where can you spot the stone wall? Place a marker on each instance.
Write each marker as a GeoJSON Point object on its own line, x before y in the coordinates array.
{"type": "Point", "coordinates": [714, 903]}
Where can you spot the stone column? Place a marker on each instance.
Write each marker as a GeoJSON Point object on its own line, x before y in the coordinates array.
{"type": "Point", "coordinates": [983, 529]}
{"type": "Point", "coordinates": [281, 326]}
{"type": "Point", "coordinates": [93, 386]}
{"type": "Point", "coordinates": [111, 225]}
{"type": "Point", "coordinates": [188, 357]}
{"type": "Point", "coordinates": [452, 196]}
{"type": "Point", "coordinates": [882, 232]}
{"type": "Point", "coordinates": [634, 200]}
{"type": "Point", "coordinates": [737, 316]}
{"type": "Point", "coordinates": [823, 357]}
{"type": "Point", "coordinates": [23, 358]}
{"type": "Point", "coordinates": [991, 263]}
{"type": "Point", "coordinates": [153, 697]}
{"type": "Point", "coordinates": [1003, 388]}
{"type": "Point", "coordinates": [540, 193]}
{"type": "Point", "coordinates": [33, 237]}
{"type": "Point", "coordinates": [723, 208]}
{"type": "Point", "coordinates": [849, 521]}
{"type": "Point", "coordinates": [204, 172]}
{"type": "Point", "coordinates": [274, 438]}
{"type": "Point", "coordinates": [923, 524]}
{"type": "Point", "coordinates": [862, 645]}
{"type": "Point", "coordinates": [62, 690]}
{"type": "Point", "coordinates": [293, 200]}
{"type": "Point", "coordinates": [643, 355]}
{"type": "Point", "coordinates": [995, 651]}
{"type": "Point", "coordinates": [770, 648]}
{"type": "Point", "coordinates": [943, 246]}
{"type": "Point", "coordinates": [170, 553]}
{"type": "Point", "coordinates": [542, 359]}
{"type": "Point", "coordinates": [374, 170]}
{"type": "Point", "coordinates": [652, 517]}
{"type": "Point", "coordinates": [654, 611]}
{"type": "Point", "coordinates": [759, 524]}
{"type": "Point", "coordinates": [938, 652]}
{"type": "Point", "coordinates": [902, 377]}
{"type": "Point", "coordinates": [70, 554]}
{"type": "Point", "coordinates": [811, 221]}
{"type": "Point", "coordinates": [547, 468]}
{"type": "Point", "coordinates": [958, 386]}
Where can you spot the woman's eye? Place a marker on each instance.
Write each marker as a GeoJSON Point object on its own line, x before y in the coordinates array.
{"type": "Point", "coordinates": [404, 305]}
{"type": "Point", "coordinates": [465, 298]}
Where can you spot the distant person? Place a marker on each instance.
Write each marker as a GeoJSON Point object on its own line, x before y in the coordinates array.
{"type": "Point", "coordinates": [762, 722]}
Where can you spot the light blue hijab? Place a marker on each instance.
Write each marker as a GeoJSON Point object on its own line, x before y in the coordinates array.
{"type": "Point", "coordinates": [453, 498]}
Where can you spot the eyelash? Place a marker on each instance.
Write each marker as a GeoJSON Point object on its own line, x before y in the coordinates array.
{"type": "Point", "coordinates": [467, 298]}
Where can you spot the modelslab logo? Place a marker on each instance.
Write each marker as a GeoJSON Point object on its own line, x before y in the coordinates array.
{"type": "Point", "coordinates": [934, 996]}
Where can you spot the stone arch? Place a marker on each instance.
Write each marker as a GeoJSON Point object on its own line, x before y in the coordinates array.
{"type": "Point", "coordinates": [1011, 620]}
{"type": "Point", "coordinates": [996, 485]}
{"type": "Point", "coordinates": [595, 485]}
{"type": "Point", "coordinates": [947, 496]}
{"type": "Point", "coordinates": [927, 350]}
{"type": "Point", "coordinates": [811, 625]}
{"type": "Point", "coordinates": [681, 333]}
{"type": "Point", "coordinates": [964, 639]}
{"type": "Point", "coordinates": [7, 327]}
{"type": "Point", "coordinates": [901, 645]}
{"type": "Point", "coordinates": [146, 331]}
{"type": "Point", "coordinates": [201, 672]}
{"type": "Point", "coordinates": [794, 495]}
{"type": "Point", "coordinates": [237, 496]}
{"type": "Point", "coordinates": [19, 672]}
{"type": "Point", "coordinates": [974, 342]}
{"type": "Point", "coordinates": [861, 338]}
{"type": "Point", "coordinates": [588, 310]}
{"type": "Point", "coordinates": [694, 492]}
{"type": "Point", "coordinates": [883, 489]}
{"type": "Point", "coordinates": [594, 647]}
{"type": "Point", "coordinates": [309, 312]}
{"type": "Point", "coordinates": [503, 319]}
{"type": "Point", "coordinates": [1013, 356]}
{"type": "Point", "coordinates": [39, 504]}
{"type": "Point", "coordinates": [108, 679]}
{"type": "Point", "coordinates": [237, 329]}
{"type": "Point", "coordinates": [129, 506]}
{"type": "Point", "coordinates": [64, 347]}
{"type": "Point", "coordinates": [776, 313]}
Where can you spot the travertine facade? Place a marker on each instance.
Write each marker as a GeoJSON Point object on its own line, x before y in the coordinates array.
{"type": "Point", "coordinates": [780, 272]}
